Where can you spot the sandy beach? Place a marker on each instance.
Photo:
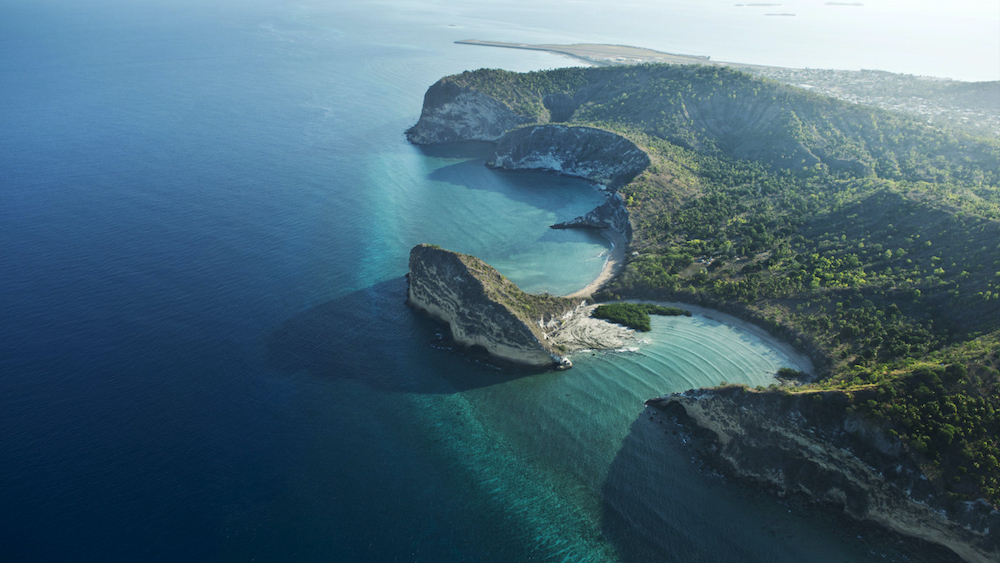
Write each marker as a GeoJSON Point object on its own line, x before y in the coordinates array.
{"type": "Point", "coordinates": [578, 331]}
{"type": "Point", "coordinates": [582, 331]}
{"type": "Point", "coordinates": [613, 265]}
{"type": "Point", "coordinates": [802, 362]}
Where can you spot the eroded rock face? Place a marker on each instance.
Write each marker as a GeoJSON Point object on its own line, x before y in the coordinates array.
{"type": "Point", "coordinates": [452, 113]}
{"type": "Point", "coordinates": [802, 444]}
{"type": "Point", "coordinates": [482, 307]}
{"type": "Point", "coordinates": [609, 215]}
{"type": "Point", "coordinates": [595, 155]}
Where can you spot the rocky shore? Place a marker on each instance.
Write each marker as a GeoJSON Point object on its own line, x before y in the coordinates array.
{"type": "Point", "coordinates": [805, 444]}
{"type": "Point", "coordinates": [808, 445]}
{"type": "Point", "coordinates": [453, 113]}
{"type": "Point", "coordinates": [604, 158]}
{"type": "Point", "coordinates": [486, 310]}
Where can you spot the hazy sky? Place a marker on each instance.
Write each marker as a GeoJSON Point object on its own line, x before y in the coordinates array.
{"type": "Point", "coordinates": [957, 39]}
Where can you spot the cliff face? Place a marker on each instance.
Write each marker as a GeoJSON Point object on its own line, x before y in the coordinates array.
{"type": "Point", "coordinates": [803, 444]}
{"type": "Point", "coordinates": [609, 215]}
{"type": "Point", "coordinates": [483, 308]}
{"type": "Point", "coordinates": [452, 113]}
{"type": "Point", "coordinates": [599, 156]}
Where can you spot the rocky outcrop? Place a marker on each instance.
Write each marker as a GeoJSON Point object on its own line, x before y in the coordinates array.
{"type": "Point", "coordinates": [609, 215]}
{"type": "Point", "coordinates": [803, 444]}
{"type": "Point", "coordinates": [452, 113]}
{"type": "Point", "coordinates": [483, 308]}
{"type": "Point", "coordinates": [598, 156]}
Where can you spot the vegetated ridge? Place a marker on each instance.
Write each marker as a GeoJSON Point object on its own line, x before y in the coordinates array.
{"type": "Point", "coordinates": [970, 105]}
{"type": "Point", "coordinates": [868, 239]}
{"type": "Point", "coordinates": [484, 308]}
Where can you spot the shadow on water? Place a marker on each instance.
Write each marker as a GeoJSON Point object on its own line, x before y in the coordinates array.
{"type": "Point", "coordinates": [479, 150]}
{"type": "Point", "coordinates": [471, 173]}
{"type": "Point", "coordinates": [371, 336]}
{"type": "Point", "coordinates": [654, 511]}
{"type": "Point", "coordinates": [660, 504]}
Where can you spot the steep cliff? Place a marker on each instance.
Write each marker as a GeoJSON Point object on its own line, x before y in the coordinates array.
{"type": "Point", "coordinates": [609, 215]}
{"type": "Point", "coordinates": [485, 309]}
{"type": "Point", "coordinates": [595, 155]}
{"type": "Point", "coordinates": [453, 113]}
{"type": "Point", "coordinates": [804, 444]}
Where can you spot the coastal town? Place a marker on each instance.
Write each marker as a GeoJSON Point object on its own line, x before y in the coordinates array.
{"type": "Point", "coordinates": [969, 105]}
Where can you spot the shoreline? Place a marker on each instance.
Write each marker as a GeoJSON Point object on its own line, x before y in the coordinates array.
{"type": "Point", "coordinates": [800, 361]}
{"type": "Point", "coordinates": [581, 331]}
{"type": "Point", "coordinates": [612, 266]}
{"type": "Point", "coordinates": [616, 261]}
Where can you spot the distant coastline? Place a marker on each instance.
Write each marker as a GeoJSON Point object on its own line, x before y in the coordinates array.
{"type": "Point", "coordinates": [604, 55]}
{"type": "Point", "coordinates": [969, 104]}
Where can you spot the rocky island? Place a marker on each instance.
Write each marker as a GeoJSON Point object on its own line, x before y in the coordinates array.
{"type": "Point", "coordinates": [864, 237]}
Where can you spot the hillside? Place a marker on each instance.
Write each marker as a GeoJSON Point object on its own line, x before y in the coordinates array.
{"type": "Point", "coordinates": [484, 308]}
{"type": "Point", "coordinates": [970, 105]}
{"type": "Point", "coordinates": [869, 239]}
{"type": "Point", "coordinates": [974, 106]}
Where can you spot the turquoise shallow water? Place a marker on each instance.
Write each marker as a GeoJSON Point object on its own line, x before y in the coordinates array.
{"type": "Point", "coordinates": [206, 210]}
{"type": "Point", "coordinates": [448, 197]}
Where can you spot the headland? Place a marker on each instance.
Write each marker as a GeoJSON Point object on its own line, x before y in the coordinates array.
{"type": "Point", "coordinates": [822, 220]}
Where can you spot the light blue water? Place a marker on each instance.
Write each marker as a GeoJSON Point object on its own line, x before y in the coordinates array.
{"type": "Point", "coordinates": [206, 210]}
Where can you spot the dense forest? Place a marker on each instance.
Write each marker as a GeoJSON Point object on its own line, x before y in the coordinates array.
{"type": "Point", "coordinates": [868, 239]}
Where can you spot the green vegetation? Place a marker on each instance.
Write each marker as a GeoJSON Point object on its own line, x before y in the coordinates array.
{"type": "Point", "coordinates": [868, 239]}
{"type": "Point", "coordinates": [635, 315]}
{"type": "Point", "coordinates": [947, 408]}
{"type": "Point", "coordinates": [789, 373]}
{"type": "Point", "coordinates": [969, 105]}
{"type": "Point", "coordinates": [528, 307]}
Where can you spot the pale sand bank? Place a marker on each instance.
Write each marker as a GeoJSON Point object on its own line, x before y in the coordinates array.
{"type": "Point", "coordinates": [579, 331]}
{"type": "Point", "coordinates": [613, 265]}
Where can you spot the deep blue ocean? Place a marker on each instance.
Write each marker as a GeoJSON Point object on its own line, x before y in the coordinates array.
{"type": "Point", "coordinates": [206, 210]}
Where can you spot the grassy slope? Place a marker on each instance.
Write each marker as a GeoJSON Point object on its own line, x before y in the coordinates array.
{"type": "Point", "coordinates": [865, 237]}
{"type": "Point", "coordinates": [527, 307]}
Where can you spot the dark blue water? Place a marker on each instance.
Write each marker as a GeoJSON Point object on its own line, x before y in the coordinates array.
{"type": "Point", "coordinates": [205, 216]}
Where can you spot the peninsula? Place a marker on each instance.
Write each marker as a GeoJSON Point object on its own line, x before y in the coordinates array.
{"type": "Point", "coordinates": [484, 309]}
{"type": "Point", "coordinates": [598, 54]}
{"type": "Point", "coordinates": [866, 238]}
